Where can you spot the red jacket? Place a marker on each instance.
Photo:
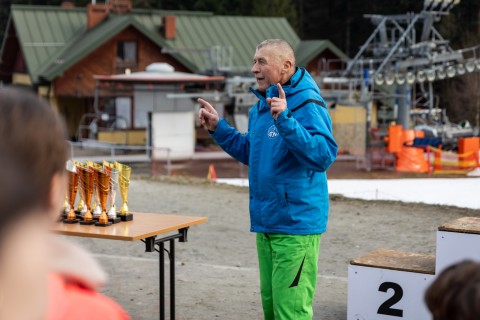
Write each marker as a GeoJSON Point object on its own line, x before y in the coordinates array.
{"type": "Point", "coordinates": [73, 283]}
{"type": "Point", "coordinates": [72, 301]}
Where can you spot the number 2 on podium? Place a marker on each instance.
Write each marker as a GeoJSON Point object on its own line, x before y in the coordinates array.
{"type": "Point", "coordinates": [386, 308]}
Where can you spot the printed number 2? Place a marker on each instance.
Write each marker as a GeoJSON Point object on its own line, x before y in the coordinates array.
{"type": "Point", "coordinates": [386, 307]}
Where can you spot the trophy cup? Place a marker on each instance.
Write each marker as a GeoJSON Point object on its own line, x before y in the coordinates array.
{"type": "Point", "coordinates": [97, 210]}
{"type": "Point", "coordinates": [103, 189]}
{"type": "Point", "coordinates": [112, 214]}
{"type": "Point", "coordinates": [71, 194]}
{"type": "Point", "coordinates": [86, 187]}
{"type": "Point", "coordinates": [123, 184]}
{"type": "Point", "coordinates": [81, 207]}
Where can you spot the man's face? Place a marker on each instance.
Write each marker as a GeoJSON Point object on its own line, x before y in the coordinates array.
{"type": "Point", "coordinates": [267, 68]}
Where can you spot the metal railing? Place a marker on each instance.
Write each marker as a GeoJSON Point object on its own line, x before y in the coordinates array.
{"type": "Point", "coordinates": [121, 153]}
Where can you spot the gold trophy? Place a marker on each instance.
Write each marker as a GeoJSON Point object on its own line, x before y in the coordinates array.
{"type": "Point", "coordinates": [112, 213]}
{"type": "Point", "coordinates": [97, 210]}
{"type": "Point", "coordinates": [103, 189]}
{"type": "Point", "coordinates": [123, 184]}
{"type": "Point", "coordinates": [86, 187]}
{"type": "Point", "coordinates": [72, 193]}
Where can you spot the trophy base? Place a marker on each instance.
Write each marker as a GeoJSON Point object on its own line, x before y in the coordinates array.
{"type": "Point", "coordinates": [126, 217]}
{"type": "Point", "coordinates": [114, 220]}
{"type": "Point", "coordinates": [87, 223]}
{"type": "Point", "coordinates": [70, 221]}
{"type": "Point", "coordinates": [98, 224]}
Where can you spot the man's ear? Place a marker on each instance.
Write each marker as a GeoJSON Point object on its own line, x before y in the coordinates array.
{"type": "Point", "coordinates": [287, 65]}
{"type": "Point", "coordinates": [56, 194]}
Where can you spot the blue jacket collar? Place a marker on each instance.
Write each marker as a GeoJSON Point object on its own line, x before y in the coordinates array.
{"type": "Point", "coordinates": [272, 91]}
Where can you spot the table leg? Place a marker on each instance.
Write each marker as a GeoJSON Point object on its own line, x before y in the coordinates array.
{"type": "Point", "coordinates": [162, 280]}
{"type": "Point", "coordinates": [172, 279]}
{"type": "Point", "coordinates": [150, 247]}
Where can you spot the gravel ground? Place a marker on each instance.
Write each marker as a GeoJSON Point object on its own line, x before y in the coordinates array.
{"type": "Point", "coordinates": [217, 274]}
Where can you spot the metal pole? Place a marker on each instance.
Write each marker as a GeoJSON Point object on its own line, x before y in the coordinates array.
{"type": "Point", "coordinates": [172, 279]}
{"type": "Point", "coordinates": [162, 280]}
{"type": "Point", "coordinates": [169, 169]}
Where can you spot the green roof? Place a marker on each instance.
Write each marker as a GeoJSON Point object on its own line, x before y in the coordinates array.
{"type": "Point", "coordinates": [53, 38]}
{"type": "Point", "coordinates": [309, 49]}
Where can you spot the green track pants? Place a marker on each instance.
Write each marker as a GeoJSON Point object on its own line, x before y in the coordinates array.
{"type": "Point", "coordinates": [288, 274]}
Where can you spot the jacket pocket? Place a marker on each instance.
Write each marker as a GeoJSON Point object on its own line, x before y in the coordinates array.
{"type": "Point", "coordinates": [279, 214]}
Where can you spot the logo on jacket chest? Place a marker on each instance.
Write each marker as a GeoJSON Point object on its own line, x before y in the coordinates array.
{"type": "Point", "coordinates": [272, 132]}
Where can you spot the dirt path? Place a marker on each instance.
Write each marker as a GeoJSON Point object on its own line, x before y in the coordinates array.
{"type": "Point", "coordinates": [217, 275]}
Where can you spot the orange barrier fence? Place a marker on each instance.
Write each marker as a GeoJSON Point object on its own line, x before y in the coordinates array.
{"type": "Point", "coordinates": [448, 162]}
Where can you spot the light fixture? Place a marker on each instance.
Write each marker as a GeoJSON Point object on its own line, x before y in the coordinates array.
{"type": "Point", "coordinates": [470, 66]}
{"type": "Point", "coordinates": [460, 69]}
{"type": "Point", "coordinates": [441, 74]}
{"type": "Point", "coordinates": [477, 64]}
{"type": "Point", "coordinates": [389, 79]}
{"type": "Point", "coordinates": [430, 73]}
{"type": "Point", "coordinates": [451, 71]}
{"type": "Point", "coordinates": [410, 77]}
{"type": "Point", "coordinates": [421, 76]}
{"type": "Point", "coordinates": [400, 78]}
{"type": "Point", "coordinates": [379, 80]}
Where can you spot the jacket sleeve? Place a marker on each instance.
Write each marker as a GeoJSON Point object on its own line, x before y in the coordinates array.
{"type": "Point", "coordinates": [307, 132]}
{"type": "Point", "coordinates": [233, 142]}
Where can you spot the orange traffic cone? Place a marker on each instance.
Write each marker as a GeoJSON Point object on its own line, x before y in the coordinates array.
{"type": "Point", "coordinates": [212, 174]}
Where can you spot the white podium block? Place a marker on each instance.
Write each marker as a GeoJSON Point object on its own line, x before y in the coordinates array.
{"type": "Point", "coordinates": [458, 240]}
{"type": "Point", "coordinates": [387, 284]}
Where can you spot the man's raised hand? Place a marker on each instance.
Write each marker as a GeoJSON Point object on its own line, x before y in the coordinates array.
{"type": "Point", "coordinates": [208, 115]}
{"type": "Point", "coordinates": [278, 105]}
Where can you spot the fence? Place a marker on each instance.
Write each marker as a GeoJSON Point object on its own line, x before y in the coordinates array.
{"type": "Point", "coordinates": [140, 156]}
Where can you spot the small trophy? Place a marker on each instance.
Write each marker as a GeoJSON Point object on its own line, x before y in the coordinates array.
{"type": "Point", "coordinates": [112, 214]}
{"type": "Point", "coordinates": [86, 182]}
{"type": "Point", "coordinates": [103, 189]}
{"type": "Point", "coordinates": [97, 210]}
{"type": "Point", "coordinates": [123, 184]}
{"type": "Point", "coordinates": [71, 194]}
{"type": "Point", "coordinates": [81, 207]}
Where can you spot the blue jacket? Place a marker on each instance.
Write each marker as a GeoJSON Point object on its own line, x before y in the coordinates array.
{"type": "Point", "coordinates": [287, 159]}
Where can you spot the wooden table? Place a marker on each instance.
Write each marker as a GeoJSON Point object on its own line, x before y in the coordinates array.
{"type": "Point", "coordinates": [145, 227]}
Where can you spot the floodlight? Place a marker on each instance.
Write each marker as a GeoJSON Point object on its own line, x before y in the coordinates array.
{"type": "Point", "coordinates": [389, 79]}
{"type": "Point", "coordinates": [441, 74]}
{"type": "Point", "coordinates": [460, 69]}
{"type": "Point", "coordinates": [451, 71]}
{"type": "Point", "coordinates": [410, 77]}
{"type": "Point", "coordinates": [379, 80]}
{"type": "Point", "coordinates": [430, 73]}
{"type": "Point", "coordinates": [470, 66]}
{"type": "Point", "coordinates": [400, 78]}
{"type": "Point", "coordinates": [421, 76]}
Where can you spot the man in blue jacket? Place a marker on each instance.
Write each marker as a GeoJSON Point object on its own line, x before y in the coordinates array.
{"type": "Point", "coordinates": [288, 147]}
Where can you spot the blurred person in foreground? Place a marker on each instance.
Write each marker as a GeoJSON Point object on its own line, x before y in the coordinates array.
{"type": "Point", "coordinates": [455, 293]}
{"type": "Point", "coordinates": [42, 276]}
{"type": "Point", "coordinates": [288, 147]}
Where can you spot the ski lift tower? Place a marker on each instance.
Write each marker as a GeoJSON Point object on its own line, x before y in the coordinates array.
{"type": "Point", "coordinates": [400, 60]}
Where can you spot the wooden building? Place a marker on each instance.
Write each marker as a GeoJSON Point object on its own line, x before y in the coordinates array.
{"type": "Point", "coordinates": [57, 50]}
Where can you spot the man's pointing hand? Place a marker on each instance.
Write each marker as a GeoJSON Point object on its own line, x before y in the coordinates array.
{"type": "Point", "coordinates": [277, 105]}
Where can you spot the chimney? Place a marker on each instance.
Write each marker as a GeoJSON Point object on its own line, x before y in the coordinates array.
{"type": "Point", "coordinates": [121, 6]}
{"type": "Point", "coordinates": [169, 28]}
{"type": "Point", "coordinates": [96, 13]}
{"type": "Point", "coordinates": [67, 4]}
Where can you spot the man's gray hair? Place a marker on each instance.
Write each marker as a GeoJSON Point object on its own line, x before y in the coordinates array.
{"type": "Point", "coordinates": [285, 50]}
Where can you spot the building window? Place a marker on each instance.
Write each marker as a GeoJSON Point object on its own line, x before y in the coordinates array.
{"type": "Point", "coordinates": [126, 53]}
